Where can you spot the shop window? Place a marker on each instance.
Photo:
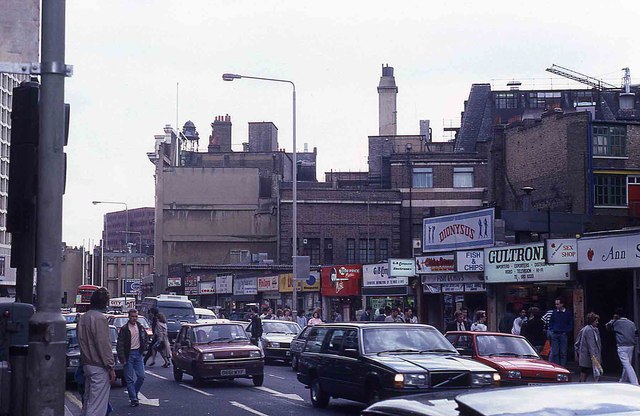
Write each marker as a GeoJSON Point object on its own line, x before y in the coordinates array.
{"type": "Point", "coordinates": [422, 178]}
{"type": "Point", "coordinates": [383, 250]}
{"type": "Point", "coordinates": [609, 140]}
{"type": "Point", "coordinates": [351, 250]}
{"type": "Point", "coordinates": [611, 190]}
{"type": "Point", "coordinates": [463, 177]}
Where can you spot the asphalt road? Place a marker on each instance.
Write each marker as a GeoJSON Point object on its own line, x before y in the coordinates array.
{"type": "Point", "coordinates": [281, 394]}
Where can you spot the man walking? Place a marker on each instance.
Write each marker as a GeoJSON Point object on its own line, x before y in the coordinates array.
{"type": "Point", "coordinates": [256, 327]}
{"type": "Point", "coordinates": [132, 341]}
{"type": "Point", "coordinates": [560, 326]}
{"type": "Point", "coordinates": [366, 315]}
{"type": "Point", "coordinates": [96, 356]}
{"type": "Point", "coordinates": [153, 315]}
{"type": "Point", "coordinates": [625, 331]}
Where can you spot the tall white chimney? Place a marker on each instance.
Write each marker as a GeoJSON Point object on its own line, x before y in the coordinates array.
{"type": "Point", "coordinates": [387, 93]}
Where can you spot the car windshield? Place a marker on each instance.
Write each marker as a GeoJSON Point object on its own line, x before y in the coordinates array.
{"type": "Point", "coordinates": [499, 345]}
{"type": "Point", "coordinates": [280, 327]}
{"type": "Point", "coordinates": [219, 333]}
{"type": "Point", "coordinates": [72, 339]}
{"type": "Point", "coordinates": [119, 322]}
{"type": "Point", "coordinates": [177, 311]}
{"type": "Point", "coordinates": [404, 339]}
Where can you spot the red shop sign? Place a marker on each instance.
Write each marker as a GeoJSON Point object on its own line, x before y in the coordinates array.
{"type": "Point", "coordinates": [341, 280]}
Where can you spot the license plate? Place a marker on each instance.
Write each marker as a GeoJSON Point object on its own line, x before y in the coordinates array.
{"type": "Point", "coordinates": [234, 372]}
{"type": "Point", "coordinates": [535, 384]}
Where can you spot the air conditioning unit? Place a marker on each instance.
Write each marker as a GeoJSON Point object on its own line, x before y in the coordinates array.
{"type": "Point", "coordinates": [240, 257]}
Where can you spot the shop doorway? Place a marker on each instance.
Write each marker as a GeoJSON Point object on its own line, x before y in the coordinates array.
{"type": "Point", "coordinates": [606, 290]}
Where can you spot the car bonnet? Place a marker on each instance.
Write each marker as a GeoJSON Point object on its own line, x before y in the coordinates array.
{"type": "Point", "coordinates": [403, 362]}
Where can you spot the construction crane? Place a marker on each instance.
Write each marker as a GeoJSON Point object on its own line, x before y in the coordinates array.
{"type": "Point", "coordinates": [577, 76]}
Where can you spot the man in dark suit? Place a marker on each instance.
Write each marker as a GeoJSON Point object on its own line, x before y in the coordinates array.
{"type": "Point", "coordinates": [459, 323]}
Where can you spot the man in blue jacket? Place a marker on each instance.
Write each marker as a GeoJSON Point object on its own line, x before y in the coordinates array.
{"type": "Point", "coordinates": [560, 326]}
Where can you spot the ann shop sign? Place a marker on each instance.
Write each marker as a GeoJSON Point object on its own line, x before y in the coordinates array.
{"type": "Point", "coordinates": [521, 263]}
{"type": "Point", "coordinates": [458, 231]}
{"type": "Point", "coordinates": [620, 252]}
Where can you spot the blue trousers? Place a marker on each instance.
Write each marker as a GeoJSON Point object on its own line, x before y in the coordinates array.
{"type": "Point", "coordinates": [134, 366]}
{"type": "Point", "coordinates": [559, 345]}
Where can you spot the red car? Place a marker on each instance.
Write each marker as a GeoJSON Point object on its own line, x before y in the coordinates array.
{"type": "Point", "coordinates": [512, 355]}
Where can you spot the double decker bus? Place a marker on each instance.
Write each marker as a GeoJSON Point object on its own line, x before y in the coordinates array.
{"type": "Point", "coordinates": [83, 297]}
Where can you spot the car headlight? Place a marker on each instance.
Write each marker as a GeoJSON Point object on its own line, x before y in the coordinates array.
{"type": "Point", "coordinates": [74, 362]}
{"type": "Point", "coordinates": [562, 377]}
{"type": "Point", "coordinates": [415, 379]}
{"type": "Point", "coordinates": [482, 379]}
{"type": "Point", "coordinates": [514, 374]}
{"type": "Point", "coordinates": [255, 354]}
{"type": "Point", "coordinates": [273, 344]}
{"type": "Point", "coordinates": [209, 356]}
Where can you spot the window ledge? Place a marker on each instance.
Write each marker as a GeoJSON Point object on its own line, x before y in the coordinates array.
{"type": "Point", "coordinates": [611, 206]}
{"type": "Point", "coordinates": [611, 157]}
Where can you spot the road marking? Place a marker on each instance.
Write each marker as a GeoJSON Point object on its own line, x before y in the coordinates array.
{"type": "Point", "coordinates": [73, 399]}
{"type": "Point", "coordinates": [248, 409]}
{"type": "Point", "coordinates": [149, 402]}
{"type": "Point", "coordinates": [292, 396]}
{"type": "Point", "coordinates": [155, 375]}
{"type": "Point", "coordinates": [272, 375]}
{"type": "Point", "coordinates": [196, 390]}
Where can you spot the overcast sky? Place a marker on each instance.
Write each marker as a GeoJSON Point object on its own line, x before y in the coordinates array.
{"type": "Point", "coordinates": [129, 55]}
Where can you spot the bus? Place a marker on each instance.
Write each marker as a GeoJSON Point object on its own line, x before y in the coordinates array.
{"type": "Point", "coordinates": [83, 297]}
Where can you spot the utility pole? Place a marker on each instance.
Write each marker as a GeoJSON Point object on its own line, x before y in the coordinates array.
{"type": "Point", "coordinates": [47, 332]}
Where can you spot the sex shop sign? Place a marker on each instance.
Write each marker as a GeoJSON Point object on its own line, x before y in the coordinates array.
{"type": "Point", "coordinates": [341, 280]}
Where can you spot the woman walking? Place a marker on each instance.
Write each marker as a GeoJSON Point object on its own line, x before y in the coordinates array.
{"type": "Point", "coordinates": [162, 341]}
{"type": "Point", "coordinates": [588, 347]}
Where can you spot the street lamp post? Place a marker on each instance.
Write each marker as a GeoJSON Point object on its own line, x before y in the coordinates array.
{"type": "Point", "coordinates": [126, 236]}
{"type": "Point", "coordinates": [231, 77]}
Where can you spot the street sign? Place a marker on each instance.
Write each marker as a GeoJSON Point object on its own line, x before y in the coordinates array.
{"type": "Point", "coordinates": [131, 286]}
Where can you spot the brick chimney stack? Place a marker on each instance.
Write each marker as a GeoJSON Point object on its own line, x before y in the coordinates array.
{"type": "Point", "coordinates": [220, 139]}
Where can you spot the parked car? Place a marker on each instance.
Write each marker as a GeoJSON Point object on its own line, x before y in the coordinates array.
{"type": "Point", "coordinates": [594, 399]}
{"type": "Point", "coordinates": [216, 351]}
{"type": "Point", "coordinates": [515, 359]}
{"type": "Point", "coordinates": [367, 362]}
{"type": "Point", "coordinates": [121, 320]}
{"type": "Point", "coordinates": [73, 352]}
{"type": "Point", "coordinates": [239, 316]}
{"type": "Point", "coordinates": [276, 338]}
{"type": "Point", "coordinates": [296, 346]}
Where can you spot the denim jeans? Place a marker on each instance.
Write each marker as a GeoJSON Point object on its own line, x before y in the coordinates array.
{"type": "Point", "coordinates": [134, 366]}
{"type": "Point", "coordinates": [559, 344]}
{"type": "Point", "coordinates": [625, 353]}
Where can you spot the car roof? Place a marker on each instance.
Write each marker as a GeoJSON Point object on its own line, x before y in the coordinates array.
{"type": "Point", "coordinates": [74, 326]}
{"type": "Point", "coordinates": [375, 324]}
{"type": "Point", "coordinates": [279, 321]}
{"type": "Point", "coordinates": [472, 333]}
{"type": "Point", "coordinates": [211, 322]}
{"type": "Point", "coordinates": [574, 398]}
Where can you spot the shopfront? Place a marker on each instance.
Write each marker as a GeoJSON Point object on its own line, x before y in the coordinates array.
{"type": "Point", "coordinates": [340, 289]}
{"type": "Point", "coordinates": [379, 290]}
{"type": "Point", "coordinates": [608, 271]}
{"type": "Point", "coordinates": [519, 277]}
{"type": "Point", "coordinates": [245, 290]}
{"type": "Point", "coordinates": [307, 291]}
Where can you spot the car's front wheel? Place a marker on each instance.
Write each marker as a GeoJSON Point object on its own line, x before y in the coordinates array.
{"type": "Point", "coordinates": [319, 398]}
{"type": "Point", "coordinates": [177, 373]}
{"type": "Point", "coordinates": [258, 380]}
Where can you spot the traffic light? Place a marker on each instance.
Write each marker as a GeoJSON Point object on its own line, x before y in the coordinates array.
{"type": "Point", "coordinates": [23, 166]}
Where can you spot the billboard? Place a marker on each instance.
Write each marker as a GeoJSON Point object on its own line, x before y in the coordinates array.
{"type": "Point", "coordinates": [562, 250]}
{"type": "Point", "coordinates": [268, 284]}
{"type": "Point", "coordinates": [245, 286]}
{"type": "Point", "coordinates": [311, 284]}
{"type": "Point", "coordinates": [343, 280]}
{"type": "Point", "coordinates": [619, 252]}
{"type": "Point", "coordinates": [224, 284]}
{"type": "Point", "coordinates": [402, 268]}
{"type": "Point", "coordinates": [470, 261]}
{"type": "Point", "coordinates": [458, 231]}
{"type": "Point", "coordinates": [442, 263]}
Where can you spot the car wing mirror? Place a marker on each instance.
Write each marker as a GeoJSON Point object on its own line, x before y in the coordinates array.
{"type": "Point", "coordinates": [186, 343]}
{"type": "Point", "coordinates": [465, 351]}
{"type": "Point", "coordinates": [351, 352]}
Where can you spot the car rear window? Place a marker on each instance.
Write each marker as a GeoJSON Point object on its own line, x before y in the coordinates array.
{"type": "Point", "coordinates": [315, 339]}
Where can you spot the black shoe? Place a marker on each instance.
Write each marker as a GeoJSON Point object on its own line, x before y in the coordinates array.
{"type": "Point", "coordinates": [135, 403]}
